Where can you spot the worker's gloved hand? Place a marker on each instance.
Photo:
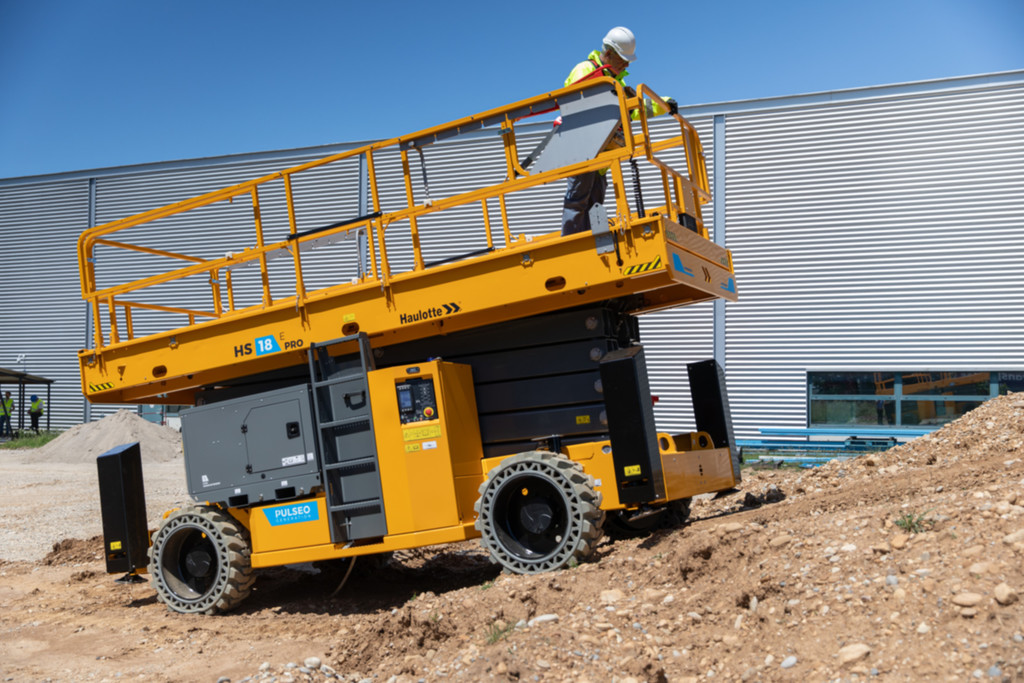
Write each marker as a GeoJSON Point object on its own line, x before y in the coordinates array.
{"type": "Point", "coordinates": [673, 106]}
{"type": "Point", "coordinates": [629, 91]}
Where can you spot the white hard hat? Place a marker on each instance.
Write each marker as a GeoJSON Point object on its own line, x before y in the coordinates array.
{"type": "Point", "coordinates": [621, 40]}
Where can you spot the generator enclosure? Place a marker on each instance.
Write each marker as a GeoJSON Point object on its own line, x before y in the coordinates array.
{"type": "Point", "coordinates": [260, 448]}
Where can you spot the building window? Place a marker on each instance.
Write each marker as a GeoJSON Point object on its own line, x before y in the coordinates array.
{"type": "Point", "coordinates": [901, 399]}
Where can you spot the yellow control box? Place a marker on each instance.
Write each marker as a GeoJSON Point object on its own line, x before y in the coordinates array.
{"type": "Point", "coordinates": [428, 444]}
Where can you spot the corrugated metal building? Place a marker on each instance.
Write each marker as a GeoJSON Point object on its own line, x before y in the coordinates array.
{"type": "Point", "coordinates": [878, 236]}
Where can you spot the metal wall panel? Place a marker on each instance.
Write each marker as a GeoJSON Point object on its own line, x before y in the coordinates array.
{"type": "Point", "coordinates": [880, 227]}
{"type": "Point", "coordinates": [42, 314]}
{"type": "Point", "coordinates": [873, 234]}
{"type": "Point", "coordinates": [676, 337]}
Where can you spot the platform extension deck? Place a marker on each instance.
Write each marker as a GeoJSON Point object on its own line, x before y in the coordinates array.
{"type": "Point", "coordinates": [648, 259]}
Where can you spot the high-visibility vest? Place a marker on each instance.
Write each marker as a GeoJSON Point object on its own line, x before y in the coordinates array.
{"type": "Point", "coordinates": [36, 407]}
{"type": "Point", "coordinates": [585, 68]}
{"type": "Point", "coordinates": [8, 407]}
{"type": "Point", "coordinates": [592, 64]}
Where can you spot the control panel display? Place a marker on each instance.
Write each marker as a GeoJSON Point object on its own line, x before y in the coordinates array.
{"type": "Point", "coordinates": [416, 400]}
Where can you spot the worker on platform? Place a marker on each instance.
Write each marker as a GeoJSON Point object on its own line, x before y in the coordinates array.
{"type": "Point", "coordinates": [6, 411]}
{"type": "Point", "coordinates": [35, 411]}
{"type": "Point", "coordinates": [587, 189]}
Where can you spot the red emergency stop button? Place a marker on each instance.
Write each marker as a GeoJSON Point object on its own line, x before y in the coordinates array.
{"type": "Point", "coordinates": [428, 412]}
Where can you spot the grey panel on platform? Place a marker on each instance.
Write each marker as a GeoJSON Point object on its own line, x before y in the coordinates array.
{"type": "Point", "coordinates": [587, 125]}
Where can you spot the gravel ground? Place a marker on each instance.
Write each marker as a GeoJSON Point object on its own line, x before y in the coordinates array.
{"type": "Point", "coordinates": [46, 502]}
{"type": "Point", "coordinates": [900, 566]}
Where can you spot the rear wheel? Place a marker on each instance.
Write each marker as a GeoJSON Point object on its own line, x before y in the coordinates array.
{"type": "Point", "coordinates": [538, 511]}
{"type": "Point", "coordinates": [199, 561]}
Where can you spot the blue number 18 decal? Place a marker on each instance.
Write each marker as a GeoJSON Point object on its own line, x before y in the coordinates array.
{"type": "Point", "coordinates": [267, 344]}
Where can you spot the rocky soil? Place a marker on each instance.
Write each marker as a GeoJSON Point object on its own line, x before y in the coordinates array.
{"type": "Point", "coordinates": [899, 566]}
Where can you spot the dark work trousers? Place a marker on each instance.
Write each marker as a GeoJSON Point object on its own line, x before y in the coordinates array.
{"type": "Point", "coordinates": [582, 193]}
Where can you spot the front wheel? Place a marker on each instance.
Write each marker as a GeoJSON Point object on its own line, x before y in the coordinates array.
{"type": "Point", "coordinates": [200, 561]}
{"type": "Point", "coordinates": [538, 511]}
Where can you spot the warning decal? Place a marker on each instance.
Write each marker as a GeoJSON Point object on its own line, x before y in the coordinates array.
{"type": "Point", "coordinates": [420, 433]}
{"type": "Point", "coordinates": [643, 267]}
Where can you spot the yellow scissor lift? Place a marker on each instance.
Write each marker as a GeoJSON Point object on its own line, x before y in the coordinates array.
{"type": "Point", "coordinates": [500, 394]}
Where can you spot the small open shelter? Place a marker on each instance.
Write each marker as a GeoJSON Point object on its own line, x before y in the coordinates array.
{"type": "Point", "coordinates": [23, 379]}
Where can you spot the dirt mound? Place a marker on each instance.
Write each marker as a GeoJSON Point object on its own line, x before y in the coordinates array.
{"type": "Point", "coordinates": [82, 443]}
{"type": "Point", "coordinates": [897, 566]}
{"type": "Point", "coordinates": [75, 551]}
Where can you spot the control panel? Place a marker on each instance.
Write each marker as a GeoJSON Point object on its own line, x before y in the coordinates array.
{"type": "Point", "coordinates": [417, 400]}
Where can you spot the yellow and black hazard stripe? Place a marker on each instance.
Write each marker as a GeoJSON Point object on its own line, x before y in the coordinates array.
{"type": "Point", "coordinates": [643, 267]}
{"type": "Point", "coordinates": [101, 387]}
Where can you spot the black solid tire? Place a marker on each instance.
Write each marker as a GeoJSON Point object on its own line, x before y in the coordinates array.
{"type": "Point", "coordinates": [537, 512]}
{"type": "Point", "coordinates": [199, 561]}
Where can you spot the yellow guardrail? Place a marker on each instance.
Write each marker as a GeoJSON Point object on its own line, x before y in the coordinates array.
{"type": "Point", "coordinates": [684, 191]}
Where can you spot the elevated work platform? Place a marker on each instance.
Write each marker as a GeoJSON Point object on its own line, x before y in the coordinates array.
{"type": "Point", "coordinates": [149, 346]}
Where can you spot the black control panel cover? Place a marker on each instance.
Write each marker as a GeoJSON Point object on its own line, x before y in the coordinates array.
{"type": "Point", "coordinates": [417, 401]}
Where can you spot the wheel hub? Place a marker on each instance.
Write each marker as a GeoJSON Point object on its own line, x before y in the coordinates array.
{"type": "Point", "coordinates": [198, 563]}
{"type": "Point", "coordinates": [536, 516]}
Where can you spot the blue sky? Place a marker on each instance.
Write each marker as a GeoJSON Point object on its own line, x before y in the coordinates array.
{"type": "Point", "coordinates": [100, 83]}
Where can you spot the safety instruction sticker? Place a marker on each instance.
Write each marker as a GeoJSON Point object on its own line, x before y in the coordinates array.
{"type": "Point", "coordinates": [292, 514]}
{"type": "Point", "coordinates": [632, 470]}
{"type": "Point", "coordinates": [420, 433]}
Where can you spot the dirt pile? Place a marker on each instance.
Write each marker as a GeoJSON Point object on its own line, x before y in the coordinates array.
{"type": "Point", "coordinates": [82, 443]}
{"type": "Point", "coordinates": [906, 565]}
